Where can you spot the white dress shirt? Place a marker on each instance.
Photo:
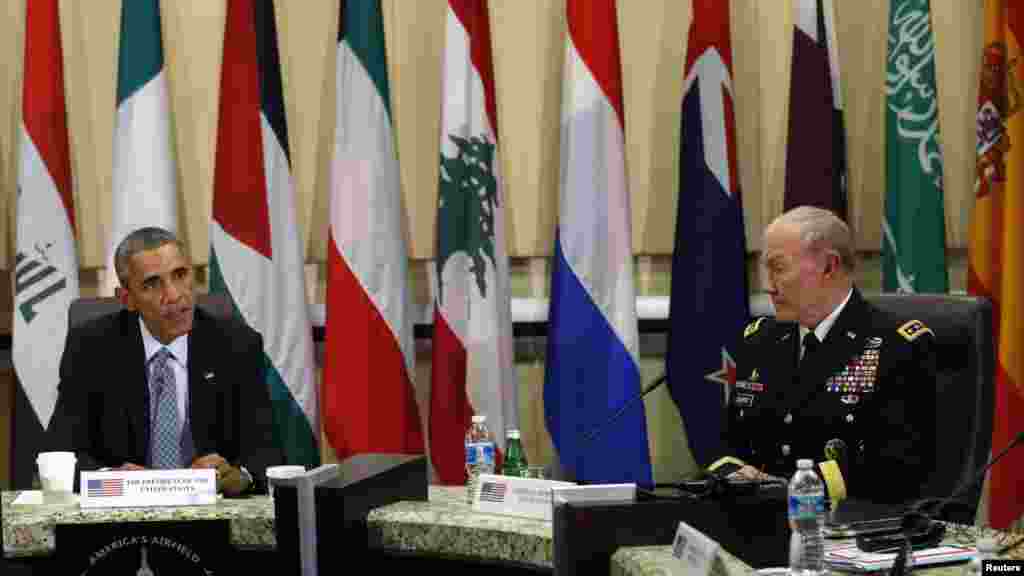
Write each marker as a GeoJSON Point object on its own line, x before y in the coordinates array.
{"type": "Point", "coordinates": [821, 330]}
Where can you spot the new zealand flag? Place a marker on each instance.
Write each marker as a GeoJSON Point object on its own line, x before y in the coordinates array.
{"type": "Point", "coordinates": [709, 283]}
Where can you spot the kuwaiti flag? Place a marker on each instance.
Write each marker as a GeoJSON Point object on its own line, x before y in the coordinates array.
{"type": "Point", "coordinates": [816, 148]}
{"type": "Point", "coordinates": [592, 369]}
{"type": "Point", "coordinates": [46, 265]}
{"type": "Point", "coordinates": [709, 286]}
{"type": "Point", "coordinates": [369, 400]}
{"type": "Point", "coordinates": [256, 253]}
{"type": "Point", "coordinates": [472, 368]}
{"type": "Point", "coordinates": [145, 177]}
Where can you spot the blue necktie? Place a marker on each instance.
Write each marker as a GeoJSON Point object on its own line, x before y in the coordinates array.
{"type": "Point", "coordinates": [165, 443]}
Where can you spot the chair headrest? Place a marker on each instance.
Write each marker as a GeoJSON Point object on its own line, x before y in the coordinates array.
{"type": "Point", "coordinates": [83, 310]}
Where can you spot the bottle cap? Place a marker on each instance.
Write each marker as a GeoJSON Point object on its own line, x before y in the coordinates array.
{"type": "Point", "coordinates": [479, 418]}
{"type": "Point", "coordinates": [512, 433]}
{"type": "Point", "coordinates": [805, 463]}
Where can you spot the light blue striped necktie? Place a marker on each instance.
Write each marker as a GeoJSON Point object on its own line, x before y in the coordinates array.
{"type": "Point", "coordinates": [164, 439]}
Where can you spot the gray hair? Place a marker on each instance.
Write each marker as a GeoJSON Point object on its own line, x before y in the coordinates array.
{"type": "Point", "coordinates": [141, 240]}
{"type": "Point", "coordinates": [821, 231]}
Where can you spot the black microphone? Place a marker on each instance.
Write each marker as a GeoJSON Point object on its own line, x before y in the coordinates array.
{"type": "Point", "coordinates": [597, 430]}
{"type": "Point", "coordinates": [917, 522]}
{"type": "Point", "coordinates": [935, 505]}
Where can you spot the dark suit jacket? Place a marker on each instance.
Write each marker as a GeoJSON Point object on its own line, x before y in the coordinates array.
{"type": "Point", "coordinates": [870, 384]}
{"type": "Point", "coordinates": [102, 410]}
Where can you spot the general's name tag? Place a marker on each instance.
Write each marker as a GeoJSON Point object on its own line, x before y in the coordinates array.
{"type": "Point", "coordinates": [144, 488]}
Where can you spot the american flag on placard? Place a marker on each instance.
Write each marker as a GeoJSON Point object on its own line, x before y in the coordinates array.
{"type": "Point", "coordinates": [105, 487]}
{"type": "Point", "coordinates": [492, 492]}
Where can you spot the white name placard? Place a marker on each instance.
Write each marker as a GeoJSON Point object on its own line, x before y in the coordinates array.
{"type": "Point", "coordinates": [143, 488]}
{"type": "Point", "coordinates": [607, 493]}
{"type": "Point", "coordinates": [694, 550]}
{"type": "Point", "coordinates": [513, 496]}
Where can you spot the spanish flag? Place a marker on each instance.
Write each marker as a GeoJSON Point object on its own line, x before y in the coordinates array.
{"type": "Point", "coordinates": [996, 243]}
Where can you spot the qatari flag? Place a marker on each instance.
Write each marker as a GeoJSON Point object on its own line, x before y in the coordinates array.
{"type": "Point", "coordinates": [816, 150]}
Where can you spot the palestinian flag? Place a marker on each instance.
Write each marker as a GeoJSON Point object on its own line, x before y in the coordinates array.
{"type": "Point", "coordinates": [256, 252]}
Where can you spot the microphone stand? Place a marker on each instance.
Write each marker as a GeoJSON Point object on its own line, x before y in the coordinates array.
{"type": "Point", "coordinates": [597, 430]}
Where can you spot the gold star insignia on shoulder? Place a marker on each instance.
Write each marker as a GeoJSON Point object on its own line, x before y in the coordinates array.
{"type": "Point", "coordinates": [913, 330]}
{"type": "Point", "coordinates": [753, 327]}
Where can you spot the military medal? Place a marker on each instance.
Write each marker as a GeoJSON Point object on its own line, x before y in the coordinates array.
{"type": "Point", "coordinates": [858, 376]}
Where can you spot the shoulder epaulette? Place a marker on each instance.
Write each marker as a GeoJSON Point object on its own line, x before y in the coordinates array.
{"type": "Point", "coordinates": [914, 329]}
{"type": "Point", "coordinates": [753, 327]}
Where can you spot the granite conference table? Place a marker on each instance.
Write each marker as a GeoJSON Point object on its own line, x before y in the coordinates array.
{"type": "Point", "coordinates": [443, 528]}
{"type": "Point", "coordinates": [447, 527]}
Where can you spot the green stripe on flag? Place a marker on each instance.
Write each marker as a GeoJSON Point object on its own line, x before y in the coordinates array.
{"type": "Point", "coordinates": [914, 235]}
{"type": "Point", "coordinates": [292, 432]}
{"type": "Point", "coordinates": [291, 427]}
{"type": "Point", "coordinates": [141, 55]}
{"type": "Point", "coordinates": [364, 32]}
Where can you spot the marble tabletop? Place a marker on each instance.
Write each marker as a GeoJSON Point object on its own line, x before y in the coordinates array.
{"type": "Point", "coordinates": [658, 560]}
{"type": "Point", "coordinates": [447, 525]}
{"type": "Point", "coordinates": [28, 530]}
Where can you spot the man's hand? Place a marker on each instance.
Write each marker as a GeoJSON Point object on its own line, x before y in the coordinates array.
{"type": "Point", "coordinates": [230, 481]}
{"type": "Point", "coordinates": [748, 472]}
{"type": "Point", "coordinates": [130, 466]}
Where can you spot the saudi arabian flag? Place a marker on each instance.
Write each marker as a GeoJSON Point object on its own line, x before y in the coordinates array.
{"type": "Point", "coordinates": [914, 244]}
{"type": "Point", "coordinates": [144, 178]}
{"type": "Point", "coordinates": [256, 255]}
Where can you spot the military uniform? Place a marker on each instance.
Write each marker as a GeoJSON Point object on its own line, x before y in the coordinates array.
{"type": "Point", "coordinates": [866, 391]}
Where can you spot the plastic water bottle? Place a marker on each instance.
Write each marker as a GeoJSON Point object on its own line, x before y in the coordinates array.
{"type": "Point", "coordinates": [988, 549]}
{"type": "Point", "coordinates": [480, 454]}
{"type": "Point", "coordinates": [807, 520]}
{"type": "Point", "coordinates": [515, 460]}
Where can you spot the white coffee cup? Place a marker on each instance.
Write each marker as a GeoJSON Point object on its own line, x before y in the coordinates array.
{"type": "Point", "coordinates": [57, 476]}
{"type": "Point", "coordinates": [278, 472]}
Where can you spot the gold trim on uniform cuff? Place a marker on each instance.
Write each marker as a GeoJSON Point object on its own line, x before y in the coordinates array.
{"type": "Point", "coordinates": [834, 482]}
{"type": "Point", "coordinates": [726, 460]}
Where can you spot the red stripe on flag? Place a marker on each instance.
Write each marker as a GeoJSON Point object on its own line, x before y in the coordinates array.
{"type": "Point", "coordinates": [240, 187]}
{"type": "Point", "coordinates": [43, 107]}
{"type": "Point", "coordinates": [473, 15]}
{"type": "Point", "coordinates": [1006, 483]}
{"type": "Point", "coordinates": [1015, 19]}
{"type": "Point", "coordinates": [593, 28]}
{"type": "Point", "coordinates": [449, 402]}
{"type": "Point", "coordinates": [368, 401]}
{"type": "Point", "coordinates": [710, 28]}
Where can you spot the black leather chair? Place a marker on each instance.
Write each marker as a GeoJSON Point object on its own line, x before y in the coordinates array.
{"type": "Point", "coordinates": [84, 309]}
{"type": "Point", "coordinates": [963, 388]}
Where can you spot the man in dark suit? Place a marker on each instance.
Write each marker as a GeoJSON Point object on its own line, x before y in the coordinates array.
{"type": "Point", "coordinates": [163, 384]}
{"type": "Point", "coordinates": [830, 378]}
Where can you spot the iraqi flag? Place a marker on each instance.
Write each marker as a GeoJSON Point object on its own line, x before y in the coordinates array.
{"type": "Point", "coordinates": [369, 400]}
{"type": "Point", "coordinates": [255, 252]}
{"type": "Point", "coordinates": [709, 304]}
{"type": "Point", "coordinates": [592, 369]}
{"type": "Point", "coordinates": [46, 264]}
{"type": "Point", "coordinates": [472, 368]}
{"type": "Point", "coordinates": [145, 177]}
{"type": "Point", "coordinates": [816, 149]}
